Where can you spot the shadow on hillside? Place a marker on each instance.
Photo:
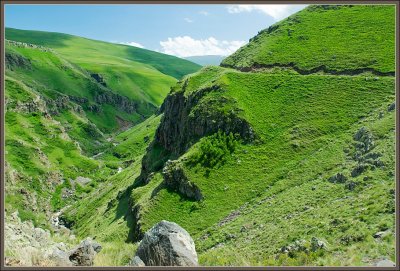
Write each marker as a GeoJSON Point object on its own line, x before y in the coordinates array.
{"type": "Point", "coordinates": [124, 211]}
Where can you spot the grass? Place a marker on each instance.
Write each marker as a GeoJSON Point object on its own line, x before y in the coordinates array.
{"type": "Point", "coordinates": [315, 36]}
{"type": "Point", "coordinates": [140, 74]}
{"type": "Point", "coordinates": [296, 150]}
{"type": "Point", "coordinates": [106, 212]}
{"type": "Point", "coordinates": [114, 253]}
{"type": "Point", "coordinates": [258, 196]}
{"type": "Point", "coordinates": [108, 53]}
{"type": "Point", "coordinates": [54, 77]}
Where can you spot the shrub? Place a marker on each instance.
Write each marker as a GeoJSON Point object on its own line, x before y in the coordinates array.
{"type": "Point", "coordinates": [213, 150]}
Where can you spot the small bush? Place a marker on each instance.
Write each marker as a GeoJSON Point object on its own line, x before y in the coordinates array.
{"type": "Point", "coordinates": [214, 150]}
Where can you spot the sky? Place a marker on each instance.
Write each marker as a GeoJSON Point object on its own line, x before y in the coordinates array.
{"type": "Point", "coordinates": [175, 29]}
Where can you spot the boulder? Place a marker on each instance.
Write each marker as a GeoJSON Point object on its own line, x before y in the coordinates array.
{"type": "Point", "coordinates": [364, 140]}
{"type": "Point", "coordinates": [360, 168]}
{"type": "Point", "coordinates": [166, 244]}
{"type": "Point", "coordinates": [136, 261]}
{"type": "Point", "coordinates": [176, 179]}
{"type": "Point", "coordinates": [59, 258]}
{"type": "Point", "coordinates": [392, 107]}
{"type": "Point", "coordinates": [385, 263]}
{"type": "Point", "coordinates": [381, 234]}
{"type": "Point", "coordinates": [317, 244]}
{"type": "Point", "coordinates": [338, 178]}
{"type": "Point", "coordinates": [84, 254]}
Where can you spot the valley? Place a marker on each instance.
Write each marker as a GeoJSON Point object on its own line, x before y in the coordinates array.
{"type": "Point", "coordinates": [282, 155]}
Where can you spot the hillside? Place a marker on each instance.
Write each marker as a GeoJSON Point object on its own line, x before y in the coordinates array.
{"type": "Point", "coordinates": [293, 144]}
{"type": "Point", "coordinates": [63, 113]}
{"type": "Point", "coordinates": [139, 74]}
{"type": "Point", "coordinates": [282, 155]}
{"type": "Point", "coordinates": [80, 50]}
{"type": "Point", "coordinates": [314, 40]}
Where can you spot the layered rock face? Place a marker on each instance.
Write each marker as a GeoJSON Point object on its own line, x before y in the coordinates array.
{"type": "Point", "coordinates": [14, 61]}
{"type": "Point", "coordinates": [116, 100]}
{"type": "Point", "coordinates": [166, 244]}
{"type": "Point", "coordinates": [175, 178]}
{"type": "Point", "coordinates": [189, 117]}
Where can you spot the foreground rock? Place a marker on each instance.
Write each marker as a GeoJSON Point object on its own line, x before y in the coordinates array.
{"type": "Point", "coordinates": [166, 244]}
{"type": "Point", "coordinates": [84, 254]}
{"type": "Point", "coordinates": [27, 245]}
{"type": "Point", "coordinates": [385, 263]}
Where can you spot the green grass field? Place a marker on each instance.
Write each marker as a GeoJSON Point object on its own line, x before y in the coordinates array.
{"type": "Point", "coordinates": [317, 91]}
{"type": "Point", "coordinates": [361, 38]}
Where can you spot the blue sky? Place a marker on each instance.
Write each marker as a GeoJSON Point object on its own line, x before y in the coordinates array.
{"type": "Point", "coordinates": [181, 30]}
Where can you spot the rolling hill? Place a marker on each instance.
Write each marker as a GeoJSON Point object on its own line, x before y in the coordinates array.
{"type": "Point", "coordinates": [315, 40]}
{"type": "Point", "coordinates": [63, 109]}
{"type": "Point", "coordinates": [282, 155]}
{"type": "Point", "coordinates": [141, 75]}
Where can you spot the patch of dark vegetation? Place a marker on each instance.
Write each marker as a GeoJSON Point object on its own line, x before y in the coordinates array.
{"type": "Point", "coordinates": [214, 150]}
{"type": "Point", "coordinates": [13, 61]}
{"type": "Point", "coordinates": [99, 78]}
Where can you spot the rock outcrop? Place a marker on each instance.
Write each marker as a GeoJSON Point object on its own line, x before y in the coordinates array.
{"type": "Point", "coordinates": [385, 263]}
{"type": "Point", "coordinates": [13, 61]}
{"type": "Point", "coordinates": [187, 118]}
{"type": "Point", "coordinates": [27, 245]}
{"type": "Point", "coordinates": [175, 179]}
{"type": "Point", "coordinates": [99, 78]}
{"type": "Point", "coordinates": [190, 116]}
{"type": "Point", "coordinates": [166, 244]}
{"type": "Point", "coordinates": [121, 102]}
{"type": "Point", "coordinates": [84, 254]}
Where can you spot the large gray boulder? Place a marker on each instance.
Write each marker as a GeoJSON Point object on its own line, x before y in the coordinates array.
{"type": "Point", "coordinates": [385, 263]}
{"type": "Point", "coordinates": [84, 254]}
{"type": "Point", "coordinates": [166, 244]}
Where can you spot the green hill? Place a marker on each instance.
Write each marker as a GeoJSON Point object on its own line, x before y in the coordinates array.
{"type": "Point", "coordinates": [298, 156]}
{"type": "Point", "coordinates": [66, 98]}
{"type": "Point", "coordinates": [86, 51]}
{"type": "Point", "coordinates": [141, 75]}
{"type": "Point", "coordinates": [283, 155]}
{"type": "Point", "coordinates": [315, 39]}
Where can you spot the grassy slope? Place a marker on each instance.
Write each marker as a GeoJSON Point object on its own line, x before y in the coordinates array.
{"type": "Point", "coordinates": [38, 150]}
{"type": "Point", "coordinates": [105, 214]}
{"type": "Point", "coordinates": [137, 73]}
{"type": "Point", "coordinates": [305, 124]}
{"type": "Point", "coordinates": [40, 147]}
{"type": "Point", "coordinates": [363, 37]}
{"type": "Point", "coordinates": [52, 76]}
{"type": "Point", "coordinates": [299, 149]}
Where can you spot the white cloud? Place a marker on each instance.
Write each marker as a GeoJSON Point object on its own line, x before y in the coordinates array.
{"type": "Point", "coordinates": [203, 12]}
{"type": "Point", "coordinates": [187, 46]}
{"type": "Point", "coordinates": [188, 20]}
{"type": "Point", "coordinates": [278, 12]}
{"type": "Point", "coordinates": [132, 43]}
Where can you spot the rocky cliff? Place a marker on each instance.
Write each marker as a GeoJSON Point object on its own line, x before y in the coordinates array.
{"type": "Point", "coordinates": [191, 116]}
